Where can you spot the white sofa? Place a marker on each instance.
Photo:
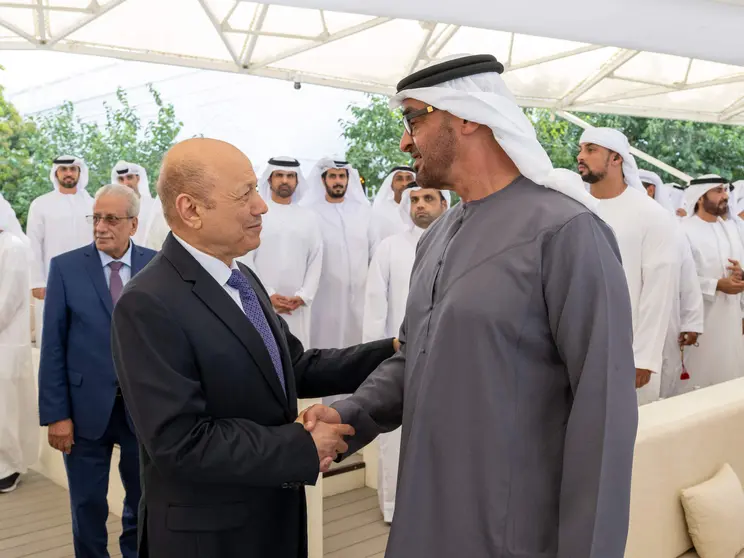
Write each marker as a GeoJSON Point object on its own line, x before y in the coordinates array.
{"type": "Point", "coordinates": [681, 442]}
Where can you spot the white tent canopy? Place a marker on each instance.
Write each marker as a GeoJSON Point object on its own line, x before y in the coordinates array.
{"type": "Point", "coordinates": [664, 58]}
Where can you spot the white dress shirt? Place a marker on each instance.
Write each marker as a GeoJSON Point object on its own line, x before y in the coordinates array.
{"type": "Point", "coordinates": [216, 268]}
{"type": "Point", "coordinates": [126, 270]}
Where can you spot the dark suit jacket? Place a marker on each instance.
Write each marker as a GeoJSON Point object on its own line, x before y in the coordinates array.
{"type": "Point", "coordinates": [224, 463]}
{"type": "Point", "coordinates": [76, 372]}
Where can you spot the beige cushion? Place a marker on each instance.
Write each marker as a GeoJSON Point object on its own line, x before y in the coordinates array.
{"type": "Point", "coordinates": [715, 515]}
{"type": "Point", "coordinates": [693, 554]}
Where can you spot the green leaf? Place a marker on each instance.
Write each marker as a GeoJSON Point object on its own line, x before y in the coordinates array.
{"type": "Point", "coordinates": [28, 146]}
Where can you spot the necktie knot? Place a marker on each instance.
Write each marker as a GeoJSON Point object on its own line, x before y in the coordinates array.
{"type": "Point", "coordinates": [237, 280]}
{"type": "Point", "coordinates": [116, 266]}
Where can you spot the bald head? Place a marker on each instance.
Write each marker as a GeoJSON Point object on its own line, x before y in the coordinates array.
{"type": "Point", "coordinates": [190, 168]}
{"type": "Point", "coordinates": [208, 191]}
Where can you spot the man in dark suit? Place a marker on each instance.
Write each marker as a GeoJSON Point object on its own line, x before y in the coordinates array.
{"type": "Point", "coordinates": [211, 376]}
{"type": "Point", "coordinates": [79, 396]}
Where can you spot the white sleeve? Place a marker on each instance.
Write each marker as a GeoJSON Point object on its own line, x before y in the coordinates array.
{"type": "Point", "coordinates": [708, 285]}
{"type": "Point", "coordinates": [659, 265]}
{"type": "Point", "coordinates": [376, 294]}
{"type": "Point", "coordinates": [314, 265]}
{"type": "Point", "coordinates": [692, 313]}
{"type": "Point", "coordinates": [13, 225]}
{"type": "Point", "coordinates": [35, 234]}
{"type": "Point", "coordinates": [13, 279]}
{"type": "Point", "coordinates": [373, 237]}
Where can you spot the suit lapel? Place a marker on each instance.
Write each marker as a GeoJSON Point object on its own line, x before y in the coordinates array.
{"type": "Point", "coordinates": [224, 307]}
{"type": "Point", "coordinates": [276, 329]}
{"type": "Point", "coordinates": [95, 270]}
{"type": "Point", "coordinates": [219, 302]}
{"type": "Point", "coordinates": [138, 259]}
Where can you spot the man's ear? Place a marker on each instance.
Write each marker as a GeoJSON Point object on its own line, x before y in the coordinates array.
{"type": "Point", "coordinates": [469, 127]}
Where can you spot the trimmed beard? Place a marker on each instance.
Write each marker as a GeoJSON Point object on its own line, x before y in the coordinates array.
{"type": "Point", "coordinates": [439, 159]}
{"type": "Point", "coordinates": [717, 209]}
{"type": "Point", "coordinates": [68, 186]}
{"type": "Point", "coordinates": [334, 195]}
{"type": "Point", "coordinates": [284, 191]}
{"type": "Point", "coordinates": [423, 221]}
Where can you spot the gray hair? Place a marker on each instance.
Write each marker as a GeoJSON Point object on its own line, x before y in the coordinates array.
{"type": "Point", "coordinates": [133, 206]}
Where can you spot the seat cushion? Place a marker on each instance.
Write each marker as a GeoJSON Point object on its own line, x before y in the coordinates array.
{"type": "Point", "coordinates": [714, 511]}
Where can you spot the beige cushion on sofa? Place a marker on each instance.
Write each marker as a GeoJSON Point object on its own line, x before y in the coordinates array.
{"type": "Point", "coordinates": [715, 515]}
{"type": "Point", "coordinates": [693, 554]}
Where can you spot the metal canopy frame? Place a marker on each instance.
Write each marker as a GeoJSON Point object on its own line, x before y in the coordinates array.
{"type": "Point", "coordinates": [594, 89]}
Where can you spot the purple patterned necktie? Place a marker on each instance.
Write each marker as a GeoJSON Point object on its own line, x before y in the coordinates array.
{"type": "Point", "coordinates": [253, 311]}
{"type": "Point", "coordinates": [116, 285]}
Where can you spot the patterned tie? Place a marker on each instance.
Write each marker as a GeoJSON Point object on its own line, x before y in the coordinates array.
{"type": "Point", "coordinates": [253, 311]}
{"type": "Point", "coordinates": [116, 285]}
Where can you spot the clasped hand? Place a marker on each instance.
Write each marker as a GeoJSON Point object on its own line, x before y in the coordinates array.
{"type": "Point", "coordinates": [286, 304]}
{"type": "Point", "coordinates": [324, 425]}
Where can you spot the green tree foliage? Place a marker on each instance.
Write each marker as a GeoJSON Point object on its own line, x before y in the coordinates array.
{"type": "Point", "coordinates": [17, 139]}
{"type": "Point", "coordinates": [122, 136]}
{"type": "Point", "coordinates": [373, 134]}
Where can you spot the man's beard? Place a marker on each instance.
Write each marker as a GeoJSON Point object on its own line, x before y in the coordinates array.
{"type": "Point", "coordinates": [284, 191]}
{"type": "Point", "coordinates": [593, 177]}
{"type": "Point", "coordinates": [336, 192]}
{"type": "Point", "coordinates": [423, 220]}
{"type": "Point", "coordinates": [439, 159]}
{"type": "Point", "coordinates": [68, 184]}
{"type": "Point", "coordinates": [716, 209]}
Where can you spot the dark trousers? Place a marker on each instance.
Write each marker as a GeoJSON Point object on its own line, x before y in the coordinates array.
{"type": "Point", "coordinates": [88, 467]}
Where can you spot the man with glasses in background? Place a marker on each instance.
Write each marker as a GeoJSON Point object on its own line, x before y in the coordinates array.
{"type": "Point", "coordinates": [79, 396]}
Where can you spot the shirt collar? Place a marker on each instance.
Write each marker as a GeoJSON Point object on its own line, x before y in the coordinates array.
{"type": "Point", "coordinates": [215, 267]}
{"type": "Point", "coordinates": [126, 259]}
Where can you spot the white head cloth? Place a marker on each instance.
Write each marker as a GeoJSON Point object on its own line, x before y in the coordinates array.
{"type": "Point", "coordinates": [123, 168]}
{"type": "Point", "coordinates": [71, 161]}
{"type": "Point", "coordinates": [616, 141]}
{"type": "Point", "coordinates": [694, 192]}
{"type": "Point", "coordinates": [485, 99]}
{"type": "Point", "coordinates": [662, 194]}
{"type": "Point", "coordinates": [7, 223]}
{"type": "Point", "coordinates": [316, 190]}
{"type": "Point", "coordinates": [676, 195]}
{"type": "Point", "coordinates": [385, 195]}
{"type": "Point", "coordinates": [264, 188]}
{"type": "Point", "coordinates": [738, 196]}
{"type": "Point", "coordinates": [405, 203]}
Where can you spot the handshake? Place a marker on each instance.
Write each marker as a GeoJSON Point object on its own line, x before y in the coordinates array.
{"type": "Point", "coordinates": [324, 425]}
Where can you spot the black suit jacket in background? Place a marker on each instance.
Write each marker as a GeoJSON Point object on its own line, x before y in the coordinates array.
{"type": "Point", "coordinates": [223, 462]}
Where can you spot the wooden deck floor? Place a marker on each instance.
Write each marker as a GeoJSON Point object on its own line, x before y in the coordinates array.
{"type": "Point", "coordinates": [35, 523]}
{"type": "Point", "coordinates": [353, 526]}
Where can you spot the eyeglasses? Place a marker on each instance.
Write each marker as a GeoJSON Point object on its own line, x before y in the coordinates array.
{"type": "Point", "coordinates": [415, 114]}
{"type": "Point", "coordinates": [110, 220]}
